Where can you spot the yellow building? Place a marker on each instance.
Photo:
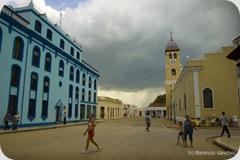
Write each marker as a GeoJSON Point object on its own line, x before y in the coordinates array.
{"type": "Point", "coordinates": [109, 108]}
{"type": "Point", "coordinates": [172, 71]}
{"type": "Point", "coordinates": [206, 86]}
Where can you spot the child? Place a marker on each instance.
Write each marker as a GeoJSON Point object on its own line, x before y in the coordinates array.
{"type": "Point", "coordinates": [180, 131]}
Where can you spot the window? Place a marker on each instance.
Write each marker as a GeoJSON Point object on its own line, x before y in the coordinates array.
{"type": "Point", "coordinates": [62, 44]}
{"type": "Point", "coordinates": [34, 80]}
{"type": "Point", "coordinates": [32, 107]}
{"type": "Point", "coordinates": [170, 55]}
{"type": "Point", "coordinates": [18, 49]}
{"type": "Point", "coordinates": [173, 72]}
{"type": "Point", "coordinates": [38, 26]}
{"type": "Point", "coordinates": [13, 104]}
{"type": "Point", "coordinates": [61, 68]}
{"type": "Point", "coordinates": [0, 39]}
{"type": "Point", "coordinates": [82, 112]}
{"type": "Point", "coordinates": [78, 55]}
{"type": "Point", "coordinates": [70, 99]}
{"type": "Point", "coordinates": [49, 34]}
{"type": "Point", "coordinates": [95, 96]}
{"type": "Point", "coordinates": [72, 52]}
{"type": "Point", "coordinates": [83, 94]}
{"type": "Point", "coordinates": [46, 84]}
{"type": "Point", "coordinates": [89, 96]}
{"type": "Point", "coordinates": [175, 55]}
{"type": "Point", "coordinates": [15, 76]}
{"type": "Point", "coordinates": [90, 82]}
{"type": "Point", "coordinates": [48, 62]}
{"type": "Point", "coordinates": [84, 79]}
{"type": "Point", "coordinates": [76, 102]}
{"type": "Point", "coordinates": [77, 76]}
{"type": "Point", "coordinates": [88, 110]}
{"type": "Point", "coordinates": [95, 84]}
{"type": "Point", "coordinates": [44, 108]}
{"type": "Point", "coordinates": [71, 74]}
{"type": "Point", "coordinates": [207, 98]}
{"type": "Point", "coordinates": [36, 57]}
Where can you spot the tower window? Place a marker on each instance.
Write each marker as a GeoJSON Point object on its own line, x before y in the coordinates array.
{"type": "Point", "coordinates": [173, 72]}
{"type": "Point", "coordinates": [175, 55]}
{"type": "Point", "coordinates": [170, 55]}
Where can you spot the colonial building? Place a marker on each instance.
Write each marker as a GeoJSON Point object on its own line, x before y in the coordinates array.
{"type": "Point", "coordinates": [109, 108]}
{"type": "Point", "coordinates": [157, 110]}
{"type": "Point", "coordinates": [42, 71]}
{"type": "Point", "coordinates": [172, 71]}
{"type": "Point", "coordinates": [206, 86]}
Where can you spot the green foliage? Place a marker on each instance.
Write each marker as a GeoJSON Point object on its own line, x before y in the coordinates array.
{"type": "Point", "coordinates": [160, 99]}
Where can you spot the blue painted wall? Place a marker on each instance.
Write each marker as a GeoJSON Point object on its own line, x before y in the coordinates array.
{"type": "Point", "coordinates": [20, 23]}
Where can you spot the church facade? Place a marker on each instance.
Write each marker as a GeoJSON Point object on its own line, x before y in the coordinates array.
{"type": "Point", "coordinates": [42, 71]}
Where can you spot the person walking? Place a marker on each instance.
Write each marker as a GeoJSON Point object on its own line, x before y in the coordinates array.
{"type": "Point", "coordinates": [90, 130]}
{"type": "Point", "coordinates": [15, 121]}
{"type": "Point", "coordinates": [188, 130]}
{"type": "Point", "coordinates": [6, 120]}
{"type": "Point", "coordinates": [148, 121]}
{"type": "Point", "coordinates": [224, 121]}
{"type": "Point", "coordinates": [180, 132]}
{"type": "Point", "coordinates": [65, 118]}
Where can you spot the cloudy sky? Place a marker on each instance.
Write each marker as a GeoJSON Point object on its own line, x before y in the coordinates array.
{"type": "Point", "coordinates": [125, 40]}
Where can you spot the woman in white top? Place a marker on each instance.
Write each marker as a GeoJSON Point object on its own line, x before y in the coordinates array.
{"type": "Point", "coordinates": [90, 130]}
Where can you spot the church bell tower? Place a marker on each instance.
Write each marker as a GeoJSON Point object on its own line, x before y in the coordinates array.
{"type": "Point", "coordinates": [172, 72]}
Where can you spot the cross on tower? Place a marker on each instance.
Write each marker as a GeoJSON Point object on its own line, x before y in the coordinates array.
{"type": "Point", "coordinates": [171, 34]}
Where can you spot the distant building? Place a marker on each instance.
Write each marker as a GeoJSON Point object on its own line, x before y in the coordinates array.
{"type": "Point", "coordinates": [157, 110]}
{"type": "Point", "coordinates": [42, 71]}
{"type": "Point", "coordinates": [109, 108]}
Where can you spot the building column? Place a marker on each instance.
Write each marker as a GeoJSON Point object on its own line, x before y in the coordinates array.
{"type": "Point", "coordinates": [196, 94]}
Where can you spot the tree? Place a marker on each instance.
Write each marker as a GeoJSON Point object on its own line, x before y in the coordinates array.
{"type": "Point", "coordinates": [160, 99]}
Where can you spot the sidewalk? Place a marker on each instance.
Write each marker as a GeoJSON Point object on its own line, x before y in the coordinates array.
{"type": "Point", "coordinates": [228, 144]}
{"type": "Point", "coordinates": [27, 129]}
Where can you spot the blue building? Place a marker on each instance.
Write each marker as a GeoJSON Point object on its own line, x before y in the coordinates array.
{"type": "Point", "coordinates": [42, 71]}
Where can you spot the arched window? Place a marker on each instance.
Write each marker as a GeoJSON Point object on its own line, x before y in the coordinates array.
{"type": "Point", "coordinates": [36, 57]}
{"type": "Point", "coordinates": [70, 101]}
{"type": "Point", "coordinates": [170, 55]}
{"type": "Point", "coordinates": [61, 68]}
{"type": "Point", "coordinates": [48, 62]}
{"type": "Point", "coordinates": [76, 101]}
{"type": "Point", "coordinates": [175, 55]}
{"type": "Point", "coordinates": [38, 26]}
{"type": "Point", "coordinates": [62, 43]}
{"type": "Point", "coordinates": [207, 98]}
{"type": "Point", "coordinates": [72, 51]}
{"type": "Point", "coordinates": [84, 79]}
{"type": "Point", "coordinates": [33, 95]}
{"type": "Point", "coordinates": [46, 84]}
{"type": "Point", "coordinates": [71, 74]}
{"type": "Point", "coordinates": [18, 49]}
{"type": "Point", "coordinates": [77, 76]}
{"type": "Point", "coordinates": [13, 96]}
{"type": "Point", "coordinates": [173, 72]}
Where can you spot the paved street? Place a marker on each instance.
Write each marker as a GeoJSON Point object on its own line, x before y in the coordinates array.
{"type": "Point", "coordinates": [120, 139]}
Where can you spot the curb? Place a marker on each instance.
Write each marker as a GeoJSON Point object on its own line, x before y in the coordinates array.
{"type": "Point", "coordinates": [224, 146]}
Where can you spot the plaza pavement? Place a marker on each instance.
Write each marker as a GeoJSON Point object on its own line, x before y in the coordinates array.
{"type": "Point", "coordinates": [229, 144]}
{"type": "Point", "coordinates": [226, 143]}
